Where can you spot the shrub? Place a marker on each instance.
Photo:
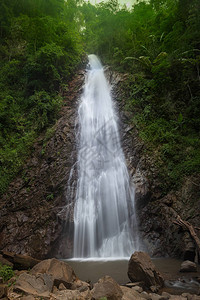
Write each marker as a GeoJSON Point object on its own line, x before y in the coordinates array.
{"type": "Point", "coordinates": [6, 272]}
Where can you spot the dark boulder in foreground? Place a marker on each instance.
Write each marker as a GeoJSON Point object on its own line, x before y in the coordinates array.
{"type": "Point", "coordinates": [141, 268]}
{"type": "Point", "coordinates": [18, 261]}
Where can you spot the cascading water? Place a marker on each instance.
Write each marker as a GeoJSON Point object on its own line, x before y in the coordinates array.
{"type": "Point", "coordinates": [104, 215]}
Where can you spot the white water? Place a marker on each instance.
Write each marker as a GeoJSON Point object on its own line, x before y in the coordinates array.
{"type": "Point", "coordinates": [104, 215]}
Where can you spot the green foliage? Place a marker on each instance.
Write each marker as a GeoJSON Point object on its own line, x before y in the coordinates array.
{"type": "Point", "coordinates": [156, 42]}
{"type": "Point", "coordinates": [170, 136]}
{"type": "Point", "coordinates": [6, 272]}
{"type": "Point", "coordinates": [50, 197]}
{"type": "Point", "coordinates": [39, 51]}
{"type": "Point", "coordinates": [43, 109]}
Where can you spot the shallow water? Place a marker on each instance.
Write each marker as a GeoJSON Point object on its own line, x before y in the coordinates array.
{"type": "Point", "coordinates": [92, 270]}
{"type": "Point", "coordinates": [176, 282]}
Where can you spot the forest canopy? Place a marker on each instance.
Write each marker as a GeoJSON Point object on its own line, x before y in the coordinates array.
{"type": "Point", "coordinates": [156, 42]}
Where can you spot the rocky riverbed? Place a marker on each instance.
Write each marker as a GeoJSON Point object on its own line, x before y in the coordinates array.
{"type": "Point", "coordinates": [54, 279]}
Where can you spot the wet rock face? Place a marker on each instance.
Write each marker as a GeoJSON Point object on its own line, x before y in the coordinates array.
{"type": "Point", "coordinates": [36, 214]}
{"type": "Point", "coordinates": [156, 213]}
{"type": "Point", "coordinates": [34, 217]}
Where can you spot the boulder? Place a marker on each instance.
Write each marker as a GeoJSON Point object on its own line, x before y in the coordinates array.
{"type": "Point", "coordinates": [60, 271]}
{"type": "Point", "coordinates": [107, 287]}
{"type": "Point", "coordinates": [38, 285]}
{"type": "Point", "coordinates": [179, 297]}
{"type": "Point", "coordinates": [137, 289]}
{"type": "Point", "coordinates": [24, 262]}
{"type": "Point", "coordinates": [80, 285]}
{"type": "Point", "coordinates": [141, 268]}
{"type": "Point", "coordinates": [61, 287]}
{"type": "Point", "coordinates": [28, 297]}
{"type": "Point", "coordinates": [4, 261]}
{"type": "Point", "coordinates": [8, 255]}
{"type": "Point", "coordinates": [166, 295]}
{"type": "Point", "coordinates": [156, 297]}
{"type": "Point", "coordinates": [71, 295]}
{"type": "Point", "coordinates": [145, 295]}
{"type": "Point", "coordinates": [188, 266]}
{"type": "Point", "coordinates": [130, 294]}
{"type": "Point", "coordinates": [3, 290]}
{"type": "Point", "coordinates": [18, 261]}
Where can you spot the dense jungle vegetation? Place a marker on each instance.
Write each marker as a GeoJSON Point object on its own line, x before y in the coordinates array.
{"type": "Point", "coordinates": [156, 42]}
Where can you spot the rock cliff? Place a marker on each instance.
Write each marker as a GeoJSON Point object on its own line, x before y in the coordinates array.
{"type": "Point", "coordinates": [37, 212]}
{"type": "Point", "coordinates": [157, 210]}
{"type": "Point", "coordinates": [34, 215]}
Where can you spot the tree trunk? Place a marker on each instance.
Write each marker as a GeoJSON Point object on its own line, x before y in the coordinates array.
{"type": "Point", "coordinates": [191, 230]}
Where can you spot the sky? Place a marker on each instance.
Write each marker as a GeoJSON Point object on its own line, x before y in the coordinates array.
{"type": "Point", "coordinates": [128, 3]}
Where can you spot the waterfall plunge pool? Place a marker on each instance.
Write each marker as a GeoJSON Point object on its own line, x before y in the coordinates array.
{"type": "Point", "coordinates": [92, 269]}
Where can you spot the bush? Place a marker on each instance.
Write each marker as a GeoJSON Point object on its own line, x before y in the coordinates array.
{"type": "Point", "coordinates": [43, 109]}
{"type": "Point", "coordinates": [6, 272]}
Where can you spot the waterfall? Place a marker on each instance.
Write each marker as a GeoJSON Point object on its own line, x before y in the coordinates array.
{"type": "Point", "coordinates": [104, 214]}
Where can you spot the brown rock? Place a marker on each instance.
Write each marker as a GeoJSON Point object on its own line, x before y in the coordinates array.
{"type": "Point", "coordinates": [38, 285]}
{"type": "Point", "coordinates": [107, 287]}
{"type": "Point", "coordinates": [176, 297]}
{"type": "Point", "coordinates": [24, 262]}
{"type": "Point", "coordinates": [29, 297]}
{"type": "Point", "coordinates": [55, 290]}
{"type": "Point", "coordinates": [3, 290]}
{"type": "Point", "coordinates": [156, 297]}
{"type": "Point", "coordinates": [141, 268]}
{"type": "Point", "coordinates": [80, 285]}
{"type": "Point", "coordinates": [13, 296]}
{"type": "Point", "coordinates": [71, 295]}
{"type": "Point", "coordinates": [137, 289]}
{"type": "Point", "coordinates": [130, 294]}
{"type": "Point", "coordinates": [62, 287]}
{"type": "Point", "coordinates": [8, 255]}
{"type": "Point", "coordinates": [145, 295]}
{"type": "Point", "coordinates": [188, 266]}
{"type": "Point", "coordinates": [166, 295]}
{"type": "Point", "coordinates": [60, 271]}
{"type": "Point", "coordinates": [4, 261]}
{"type": "Point", "coordinates": [188, 296]}
{"type": "Point", "coordinates": [154, 288]}
{"type": "Point", "coordinates": [19, 261]}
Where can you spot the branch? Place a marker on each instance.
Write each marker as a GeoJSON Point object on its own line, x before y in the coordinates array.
{"type": "Point", "coordinates": [191, 230]}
